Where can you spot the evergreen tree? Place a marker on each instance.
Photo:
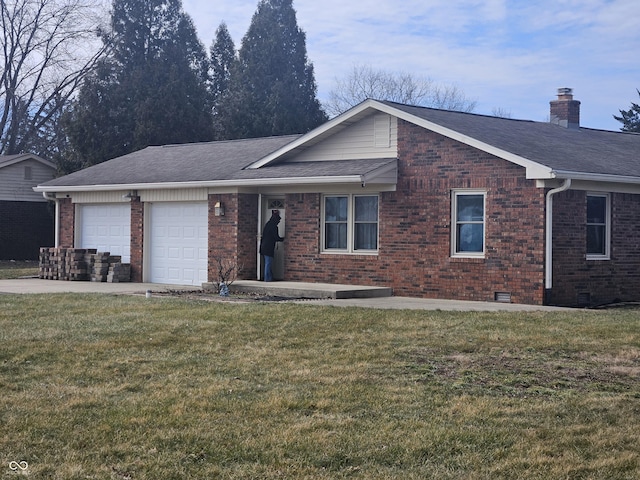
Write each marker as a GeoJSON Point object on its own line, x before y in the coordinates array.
{"type": "Point", "coordinates": [223, 59]}
{"type": "Point", "coordinates": [272, 90]}
{"type": "Point", "coordinates": [151, 89]}
{"type": "Point", "coordinates": [630, 119]}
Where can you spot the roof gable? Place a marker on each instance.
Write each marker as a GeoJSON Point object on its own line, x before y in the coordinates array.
{"type": "Point", "coordinates": [7, 160]}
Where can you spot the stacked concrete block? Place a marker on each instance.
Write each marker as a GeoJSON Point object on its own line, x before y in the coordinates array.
{"type": "Point", "coordinates": [79, 264]}
{"type": "Point", "coordinates": [119, 272]}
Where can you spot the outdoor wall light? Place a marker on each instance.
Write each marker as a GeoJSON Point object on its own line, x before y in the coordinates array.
{"type": "Point", "coordinates": [131, 194]}
{"type": "Point", "coordinates": [218, 209]}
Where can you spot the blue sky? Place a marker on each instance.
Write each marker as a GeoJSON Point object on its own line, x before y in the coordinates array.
{"type": "Point", "coordinates": [507, 55]}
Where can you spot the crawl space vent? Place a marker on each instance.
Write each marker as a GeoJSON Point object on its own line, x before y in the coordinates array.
{"type": "Point", "coordinates": [584, 299]}
{"type": "Point", "coordinates": [504, 297]}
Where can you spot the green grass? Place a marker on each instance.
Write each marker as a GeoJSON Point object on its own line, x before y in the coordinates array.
{"type": "Point", "coordinates": [17, 269]}
{"type": "Point", "coordinates": [119, 387]}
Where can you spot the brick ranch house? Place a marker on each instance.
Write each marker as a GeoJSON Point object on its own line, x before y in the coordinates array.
{"type": "Point", "coordinates": [26, 217]}
{"type": "Point", "coordinates": [431, 203]}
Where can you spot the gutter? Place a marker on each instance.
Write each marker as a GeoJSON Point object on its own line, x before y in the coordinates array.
{"type": "Point", "coordinates": [344, 179]}
{"type": "Point", "coordinates": [548, 280]}
{"type": "Point", "coordinates": [56, 229]}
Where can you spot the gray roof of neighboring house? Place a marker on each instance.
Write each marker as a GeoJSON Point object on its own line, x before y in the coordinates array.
{"type": "Point", "coordinates": [584, 150]}
{"type": "Point", "coordinates": [6, 160]}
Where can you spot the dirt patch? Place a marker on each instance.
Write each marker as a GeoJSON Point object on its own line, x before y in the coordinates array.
{"type": "Point", "coordinates": [232, 297]}
{"type": "Point", "coordinates": [524, 373]}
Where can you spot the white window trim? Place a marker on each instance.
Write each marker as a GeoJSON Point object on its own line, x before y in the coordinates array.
{"type": "Point", "coordinates": [454, 224]}
{"type": "Point", "coordinates": [350, 250]}
{"type": "Point", "coordinates": [607, 228]}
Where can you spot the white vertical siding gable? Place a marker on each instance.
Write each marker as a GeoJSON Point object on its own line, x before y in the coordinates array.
{"type": "Point", "coordinates": [375, 136]}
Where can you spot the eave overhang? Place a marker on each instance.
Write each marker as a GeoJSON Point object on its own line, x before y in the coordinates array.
{"type": "Point", "coordinates": [334, 180]}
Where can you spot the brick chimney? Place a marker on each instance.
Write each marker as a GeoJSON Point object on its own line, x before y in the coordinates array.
{"type": "Point", "coordinates": [565, 111]}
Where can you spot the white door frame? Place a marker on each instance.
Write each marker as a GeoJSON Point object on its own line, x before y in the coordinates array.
{"type": "Point", "coordinates": [267, 203]}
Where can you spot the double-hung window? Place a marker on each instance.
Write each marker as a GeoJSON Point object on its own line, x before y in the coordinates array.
{"type": "Point", "coordinates": [468, 232]}
{"type": "Point", "coordinates": [350, 223]}
{"type": "Point", "coordinates": [598, 226]}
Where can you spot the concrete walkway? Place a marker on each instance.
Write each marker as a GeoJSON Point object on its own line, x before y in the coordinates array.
{"type": "Point", "coordinates": [326, 292]}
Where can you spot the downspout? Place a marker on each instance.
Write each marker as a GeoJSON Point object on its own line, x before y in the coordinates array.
{"type": "Point", "coordinates": [548, 281]}
{"type": "Point", "coordinates": [258, 236]}
{"type": "Point", "coordinates": [56, 233]}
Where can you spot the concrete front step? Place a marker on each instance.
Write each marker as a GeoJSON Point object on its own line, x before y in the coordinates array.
{"type": "Point", "coordinates": [307, 290]}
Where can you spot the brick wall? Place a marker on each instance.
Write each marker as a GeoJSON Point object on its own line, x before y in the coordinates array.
{"type": "Point", "coordinates": [602, 281]}
{"type": "Point", "coordinates": [247, 235]}
{"type": "Point", "coordinates": [232, 237]}
{"type": "Point", "coordinates": [67, 222]}
{"type": "Point", "coordinates": [24, 228]}
{"type": "Point", "coordinates": [415, 228]}
{"type": "Point", "coordinates": [137, 239]}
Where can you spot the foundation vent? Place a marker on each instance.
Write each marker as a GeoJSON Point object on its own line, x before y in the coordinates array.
{"type": "Point", "coordinates": [584, 299]}
{"type": "Point", "coordinates": [503, 297]}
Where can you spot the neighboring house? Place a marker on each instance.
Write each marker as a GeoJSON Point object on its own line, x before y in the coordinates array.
{"type": "Point", "coordinates": [431, 203]}
{"type": "Point", "coordinates": [26, 217]}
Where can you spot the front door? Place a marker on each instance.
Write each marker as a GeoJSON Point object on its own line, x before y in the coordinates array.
{"type": "Point", "coordinates": [277, 266]}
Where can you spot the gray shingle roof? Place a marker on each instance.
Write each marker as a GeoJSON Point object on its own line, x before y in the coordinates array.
{"type": "Point", "coordinates": [192, 162]}
{"type": "Point", "coordinates": [582, 150]}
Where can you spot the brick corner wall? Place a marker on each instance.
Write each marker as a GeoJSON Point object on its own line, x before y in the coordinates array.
{"type": "Point", "coordinates": [581, 282]}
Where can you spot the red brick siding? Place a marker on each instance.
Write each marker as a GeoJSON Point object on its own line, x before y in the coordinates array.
{"type": "Point", "coordinates": [137, 239]}
{"type": "Point", "coordinates": [67, 223]}
{"type": "Point", "coordinates": [248, 235]}
{"type": "Point", "coordinates": [605, 281]}
{"type": "Point", "coordinates": [233, 236]}
{"type": "Point", "coordinates": [415, 228]}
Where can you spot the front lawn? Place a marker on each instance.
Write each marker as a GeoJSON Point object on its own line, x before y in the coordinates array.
{"type": "Point", "coordinates": [124, 387]}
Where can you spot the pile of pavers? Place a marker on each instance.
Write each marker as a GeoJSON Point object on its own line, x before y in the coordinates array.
{"type": "Point", "coordinates": [82, 264]}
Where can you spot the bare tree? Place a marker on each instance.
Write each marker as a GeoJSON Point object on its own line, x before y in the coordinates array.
{"type": "Point", "coordinates": [366, 82]}
{"type": "Point", "coordinates": [47, 48]}
{"type": "Point", "coordinates": [500, 112]}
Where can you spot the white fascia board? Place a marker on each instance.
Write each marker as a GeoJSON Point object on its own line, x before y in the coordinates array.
{"type": "Point", "coordinates": [343, 118]}
{"type": "Point", "coordinates": [596, 177]}
{"type": "Point", "coordinates": [355, 179]}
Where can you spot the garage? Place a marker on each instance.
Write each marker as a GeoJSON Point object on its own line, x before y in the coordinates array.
{"type": "Point", "coordinates": [178, 243]}
{"type": "Point", "coordinates": [107, 228]}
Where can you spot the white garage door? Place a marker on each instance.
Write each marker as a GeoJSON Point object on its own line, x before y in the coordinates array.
{"type": "Point", "coordinates": [107, 228]}
{"type": "Point", "coordinates": [178, 243]}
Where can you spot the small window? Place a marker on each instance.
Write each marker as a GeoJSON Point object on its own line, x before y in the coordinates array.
{"type": "Point", "coordinates": [335, 222]}
{"type": "Point", "coordinates": [28, 173]}
{"type": "Point", "coordinates": [350, 223]}
{"type": "Point", "coordinates": [468, 223]}
{"type": "Point", "coordinates": [598, 226]}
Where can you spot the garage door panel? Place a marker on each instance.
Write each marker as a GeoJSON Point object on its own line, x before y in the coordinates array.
{"type": "Point", "coordinates": [107, 228]}
{"type": "Point", "coordinates": [179, 243]}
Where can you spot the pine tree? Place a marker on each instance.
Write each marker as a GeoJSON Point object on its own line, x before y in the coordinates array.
{"type": "Point", "coordinates": [150, 90]}
{"type": "Point", "coordinates": [272, 90]}
{"type": "Point", "coordinates": [223, 59]}
{"type": "Point", "coordinates": [630, 119]}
